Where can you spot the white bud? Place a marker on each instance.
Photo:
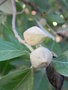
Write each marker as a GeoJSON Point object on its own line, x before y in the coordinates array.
{"type": "Point", "coordinates": [34, 35]}
{"type": "Point", "coordinates": [41, 57]}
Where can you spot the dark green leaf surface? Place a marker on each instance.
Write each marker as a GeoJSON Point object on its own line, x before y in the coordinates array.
{"type": "Point", "coordinates": [40, 81]}
{"type": "Point", "coordinates": [55, 18]}
{"type": "Point", "coordinates": [43, 5]}
{"type": "Point", "coordinates": [9, 36]}
{"type": "Point", "coordinates": [5, 67]}
{"type": "Point", "coordinates": [17, 80]}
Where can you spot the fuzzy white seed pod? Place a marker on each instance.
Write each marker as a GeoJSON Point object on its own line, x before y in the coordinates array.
{"type": "Point", "coordinates": [41, 57]}
{"type": "Point", "coordinates": [34, 36]}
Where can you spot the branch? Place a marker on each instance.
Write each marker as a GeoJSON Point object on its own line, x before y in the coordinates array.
{"type": "Point", "coordinates": [14, 28]}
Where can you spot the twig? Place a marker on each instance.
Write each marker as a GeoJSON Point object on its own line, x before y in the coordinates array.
{"type": "Point", "coordinates": [14, 28]}
{"type": "Point", "coordinates": [21, 12]}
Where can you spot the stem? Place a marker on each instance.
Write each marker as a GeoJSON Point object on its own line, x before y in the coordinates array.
{"type": "Point", "coordinates": [54, 33]}
{"type": "Point", "coordinates": [21, 12]}
{"type": "Point", "coordinates": [14, 28]}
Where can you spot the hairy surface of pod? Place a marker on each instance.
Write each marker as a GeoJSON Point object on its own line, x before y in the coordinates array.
{"type": "Point", "coordinates": [41, 57]}
{"type": "Point", "coordinates": [34, 35]}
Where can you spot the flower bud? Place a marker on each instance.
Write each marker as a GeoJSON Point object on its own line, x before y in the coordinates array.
{"type": "Point", "coordinates": [34, 35]}
{"type": "Point", "coordinates": [41, 57]}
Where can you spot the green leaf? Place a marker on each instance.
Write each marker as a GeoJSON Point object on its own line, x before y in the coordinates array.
{"type": "Point", "coordinates": [5, 67]}
{"type": "Point", "coordinates": [9, 36]}
{"type": "Point", "coordinates": [2, 1]}
{"type": "Point", "coordinates": [61, 64]}
{"type": "Point", "coordinates": [54, 47]}
{"type": "Point", "coordinates": [65, 3]}
{"type": "Point", "coordinates": [65, 86]}
{"type": "Point", "coordinates": [40, 81]}
{"type": "Point", "coordinates": [64, 45]}
{"type": "Point", "coordinates": [17, 80]}
{"type": "Point", "coordinates": [9, 50]}
{"type": "Point", "coordinates": [6, 7]}
{"type": "Point", "coordinates": [23, 61]}
{"type": "Point", "coordinates": [43, 5]}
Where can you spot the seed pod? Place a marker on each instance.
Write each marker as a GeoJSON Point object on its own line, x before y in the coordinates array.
{"type": "Point", "coordinates": [40, 57]}
{"type": "Point", "coordinates": [34, 35]}
{"type": "Point", "coordinates": [54, 77]}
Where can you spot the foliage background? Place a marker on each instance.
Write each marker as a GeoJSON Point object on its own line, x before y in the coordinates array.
{"type": "Point", "coordinates": [15, 71]}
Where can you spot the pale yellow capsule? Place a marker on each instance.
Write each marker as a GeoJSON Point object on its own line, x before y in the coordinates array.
{"type": "Point", "coordinates": [34, 35]}
{"type": "Point", "coordinates": [41, 57]}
